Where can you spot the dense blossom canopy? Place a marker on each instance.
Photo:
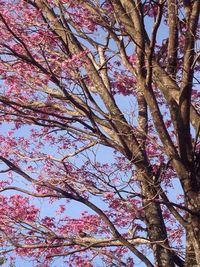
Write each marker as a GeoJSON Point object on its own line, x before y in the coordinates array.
{"type": "Point", "coordinates": [100, 152]}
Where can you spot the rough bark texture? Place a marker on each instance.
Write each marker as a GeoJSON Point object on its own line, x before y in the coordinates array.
{"type": "Point", "coordinates": [153, 70]}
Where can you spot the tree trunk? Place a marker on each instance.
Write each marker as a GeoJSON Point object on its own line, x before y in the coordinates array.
{"type": "Point", "coordinates": [192, 251]}
{"type": "Point", "coordinates": [193, 229]}
{"type": "Point", "coordinates": [155, 224]}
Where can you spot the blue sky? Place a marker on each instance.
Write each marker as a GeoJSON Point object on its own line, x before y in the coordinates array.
{"type": "Point", "coordinates": [104, 155]}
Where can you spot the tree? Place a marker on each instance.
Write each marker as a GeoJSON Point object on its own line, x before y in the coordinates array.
{"type": "Point", "coordinates": [82, 79]}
